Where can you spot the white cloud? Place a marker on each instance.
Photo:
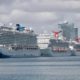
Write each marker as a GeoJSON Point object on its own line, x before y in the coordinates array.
{"type": "Point", "coordinates": [4, 18]}
{"type": "Point", "coordinates": [48, 5]}
{"type": "Point", "coordinates": [32, 17]}
{"type": "Point", "coordinates": [38, 13]}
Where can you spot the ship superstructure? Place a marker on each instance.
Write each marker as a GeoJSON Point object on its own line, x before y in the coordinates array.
{"type": "Point", "coordinates": [59, 48]}
{"type": "Point", "coordinates": [43, 40]}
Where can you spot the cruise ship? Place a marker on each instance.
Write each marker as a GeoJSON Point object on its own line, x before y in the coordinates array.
{"type": "Point", "coordinates": [18, 42]}
{"type": "Point", "coordinates": [43, 41]}
{"type": "Point", "coordinates": [60, 48]}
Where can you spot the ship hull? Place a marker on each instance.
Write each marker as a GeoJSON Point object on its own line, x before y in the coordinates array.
{"type": "Point", "coordinates": [57, 54]}
{"type": "Point", "coordinates": [20, 53]}
{"type": "Point", "coordinates": [77, 53]}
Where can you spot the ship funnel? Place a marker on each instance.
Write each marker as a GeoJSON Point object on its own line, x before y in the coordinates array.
{"type": "Point", "coordinates": [20, 27]}
{"type": "Point", "coordinates": [56, 34]}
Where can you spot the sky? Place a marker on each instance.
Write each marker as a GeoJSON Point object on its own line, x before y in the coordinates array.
{"type": "Point", "coordinates": [40, 15]}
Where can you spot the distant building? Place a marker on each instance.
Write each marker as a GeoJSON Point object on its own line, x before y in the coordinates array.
{"type": "Point", "coordinates": [76, 33]}
{"type": "Point", "coordinates": [68, 31]}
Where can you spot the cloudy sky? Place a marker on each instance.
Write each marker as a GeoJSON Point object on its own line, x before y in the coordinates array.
{"type": "Point", "coordinates": [40, 14]}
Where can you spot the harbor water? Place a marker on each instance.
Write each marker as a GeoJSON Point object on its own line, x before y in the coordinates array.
{"type": "Point", "coordinates": [40, 68]}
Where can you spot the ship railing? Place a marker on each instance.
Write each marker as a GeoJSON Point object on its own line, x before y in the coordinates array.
{"type": "Point", "coordinates": [24, 47]}
{"type": "Point", "coordinates": [60, 49]}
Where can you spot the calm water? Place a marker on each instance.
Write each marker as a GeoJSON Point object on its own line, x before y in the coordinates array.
{"type": "Point", "coordinates": [49, 68]}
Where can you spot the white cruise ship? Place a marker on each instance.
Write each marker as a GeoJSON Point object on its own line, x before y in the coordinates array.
{"type": "Point", "coordinates": [18, 42]}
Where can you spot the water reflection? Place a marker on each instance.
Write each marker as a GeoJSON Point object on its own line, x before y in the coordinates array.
{"type": "Point", "coordinates": [39, 69]}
